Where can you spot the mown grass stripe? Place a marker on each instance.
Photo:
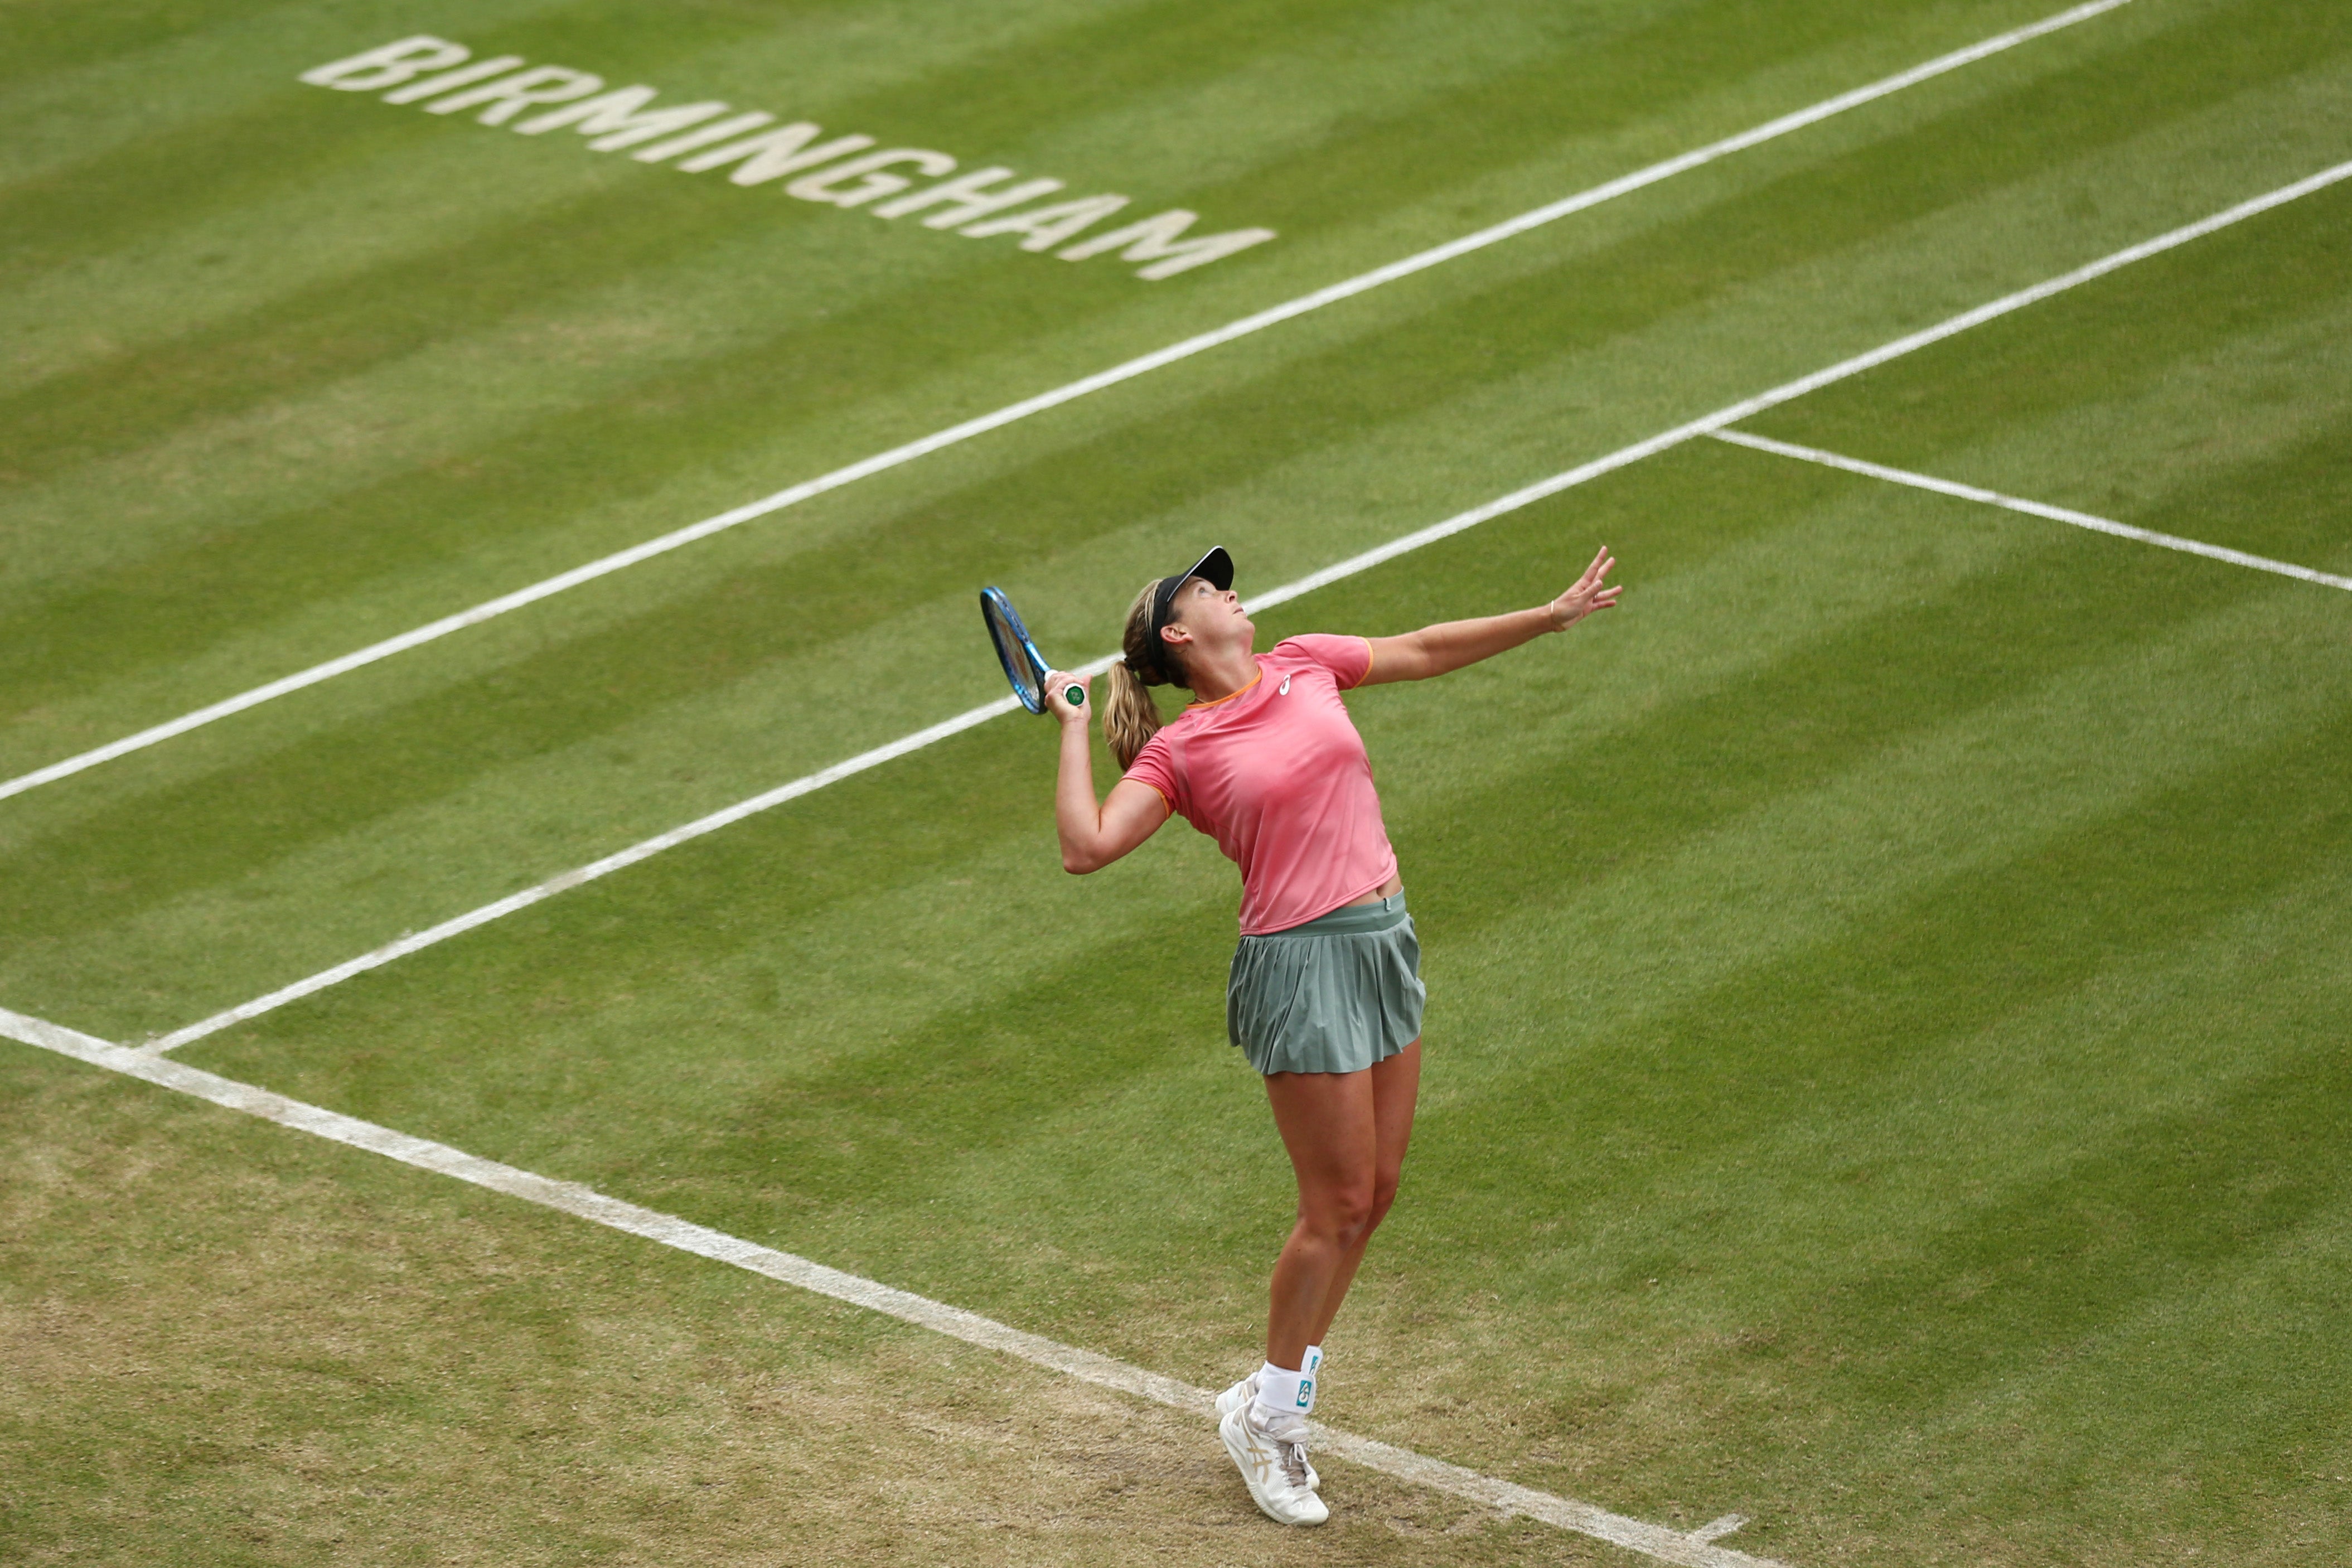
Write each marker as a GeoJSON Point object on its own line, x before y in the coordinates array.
{"type": "Point", "coordinates": [1013, 412]}
{"type": "Point", "coordinates": [565, 231]}
{"type": "Point", "coordinates": [262, 576]}
{"type": "Point", "coordinates": [1460, 523]}
{"type": "Point", "coordinates": [643, 851]}
{"type": "Point", "coordinates": [536, 734]}
{"type": "Point", "coordinates": [1694, 1550]}
{"type": "Point", "coordinates": [2030, 508]}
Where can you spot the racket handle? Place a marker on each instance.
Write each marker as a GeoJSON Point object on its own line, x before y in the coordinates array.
{"type": "Point", "coordinates": [1076, 696]}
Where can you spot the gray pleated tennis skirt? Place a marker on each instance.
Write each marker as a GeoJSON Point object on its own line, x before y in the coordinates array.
{"type": "Point", "coordinates": [1336, 995]}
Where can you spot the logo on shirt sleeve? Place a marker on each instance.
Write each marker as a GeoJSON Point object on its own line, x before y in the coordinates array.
{"type": "Point", "coordinates": [1283, 689]}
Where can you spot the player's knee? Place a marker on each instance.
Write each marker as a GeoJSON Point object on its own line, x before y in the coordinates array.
{"type": "Point", "coordinates": [1348, 1213]}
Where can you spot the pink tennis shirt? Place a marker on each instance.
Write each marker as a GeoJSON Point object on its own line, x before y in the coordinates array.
{"type": "Point", "coordinates": [1278, 775]}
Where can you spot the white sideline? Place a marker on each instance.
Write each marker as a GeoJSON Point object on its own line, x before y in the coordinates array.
{"type": "Point", "coordinates": [868, 467]}
{"type": "Point", "coordinates": [2030, 508]}
{"type": "Point", "coordinates": [1695, 1551]}
{"type": "Point", "coordinates": [1706, 425]}
{"type": "Point", "coordinates": [593, 869]}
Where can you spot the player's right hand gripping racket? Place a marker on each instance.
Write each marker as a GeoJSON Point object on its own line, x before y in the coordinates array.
{"type": "Point", "coordinates": [1025, 666]}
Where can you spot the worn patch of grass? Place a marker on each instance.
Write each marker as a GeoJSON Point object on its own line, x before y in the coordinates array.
{"type": "Point", "coordinates": [226, 1347]}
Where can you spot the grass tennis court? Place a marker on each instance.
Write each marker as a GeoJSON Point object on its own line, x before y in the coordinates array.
{"type": "Point", "coordinates": [1889, 987]}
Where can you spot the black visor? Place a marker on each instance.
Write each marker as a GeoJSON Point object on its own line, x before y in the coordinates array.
{"type": "Point", "coordinates": [1216, 568]}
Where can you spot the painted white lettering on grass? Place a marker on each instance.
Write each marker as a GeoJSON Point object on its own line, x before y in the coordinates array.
{"type": "Point", "coordinates": [2032, 508]}
{"type": "Point", "coordinates": [967, 196]}
{"type": "Point", "coordinates": [734, 126]}
{"type": "Point", "coordinates": [1043, 232]}
{"type": "Point", "coordinates": [509, 96]}
{"type": "Point", "coordinates": [622, 119]}
{"type": "Point", "coordinates": [1567, 478]}
{"type": "Point", "coordinates": [871, 177]}
{"type": "Point", "coordinates": [1156, 241]}
{"type": "Point", "coordinates": [618, 120]}
{"type": "Point", "coordinates": [771, 155]}
{"type": "Point", "coordinates": [1694, 1550]}
{"type": "Point", "coordinates": [1042, 228]}
{"type": "Point", "coordinates": [389, 64]}
{"type": "Point", "coordinates": [434, 86]}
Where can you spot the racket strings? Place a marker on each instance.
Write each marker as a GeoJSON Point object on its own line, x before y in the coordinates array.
{"type": "Point", "coordinates": [1013, 653]}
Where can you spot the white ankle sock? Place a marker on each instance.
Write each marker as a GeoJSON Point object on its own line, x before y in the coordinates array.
{"type": "Point", "coordinates": [1312, 1363]}
{"type": "Point", "coordinates": [1281, 1391]}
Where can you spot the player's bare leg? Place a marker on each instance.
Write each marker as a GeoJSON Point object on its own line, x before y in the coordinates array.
{"type": "Point", "coordinates": [1346, 1135]}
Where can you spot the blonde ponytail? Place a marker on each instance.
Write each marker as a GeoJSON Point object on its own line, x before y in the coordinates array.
{"type": "Point", "coordinates": [1133, 718]}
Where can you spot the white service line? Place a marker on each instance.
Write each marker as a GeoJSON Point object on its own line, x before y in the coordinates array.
{"type": "Point", "coordinates": [953, 434]}
{"type": "Point", "coordinates": [1696, 1550]}
{"type": "Point", "coordinates": [1706, 425]}
{"type": "Point", "coordinates": [2032, 507]}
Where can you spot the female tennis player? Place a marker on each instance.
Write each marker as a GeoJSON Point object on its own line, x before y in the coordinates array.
{"type": "Point", "coordinates": [1324, 994]}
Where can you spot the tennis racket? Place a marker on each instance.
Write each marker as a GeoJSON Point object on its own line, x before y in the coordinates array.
{"type": "Point", "coordinates": [1025, 666]}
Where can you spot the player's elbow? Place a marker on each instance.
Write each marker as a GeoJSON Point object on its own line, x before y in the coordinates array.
{"type": "Point", "coordinates": [1418, 660]}
{"type": "Point", "coordinates": [1078, 862]}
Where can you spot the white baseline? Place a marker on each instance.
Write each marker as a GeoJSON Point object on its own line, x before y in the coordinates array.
{"type": "Point", "coordinates": [2032, 507]}
{"type": "Point", "coordinates": [1696, 1550]}
{"type": "Point", "coordinates": [868, 467]}
{"type": "Point", "coordinates": [1707, 425]}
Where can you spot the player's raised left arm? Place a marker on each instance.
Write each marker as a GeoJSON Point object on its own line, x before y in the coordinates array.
{"type": "Point", "coordinates": [1449, 645]}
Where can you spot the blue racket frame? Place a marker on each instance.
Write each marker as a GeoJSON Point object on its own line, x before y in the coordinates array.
{"type": "Point", "coordinates": [993, 603]}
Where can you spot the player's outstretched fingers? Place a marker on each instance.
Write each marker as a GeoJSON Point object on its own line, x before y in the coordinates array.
{"type": "Point", "coordinates": [1589, 593]}
{"type": "Point", "coordinates": [1057, 688]}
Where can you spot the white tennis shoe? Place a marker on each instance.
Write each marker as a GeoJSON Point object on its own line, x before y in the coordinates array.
{"type": "Point", "coordinates": [1273, 1462]}
{"type": "Point", "coordinates": [1241, 1395]}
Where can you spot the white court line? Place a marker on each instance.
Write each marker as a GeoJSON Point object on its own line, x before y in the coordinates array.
{"type": "Point", "coordinates": [866, 467]}
{"type": "Point", "coordinates": [2032, 507]}
{"type": "Point", "coordinates": [1706, 425]}
{"type": "Point", "coordinates": [1697, 1551]}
